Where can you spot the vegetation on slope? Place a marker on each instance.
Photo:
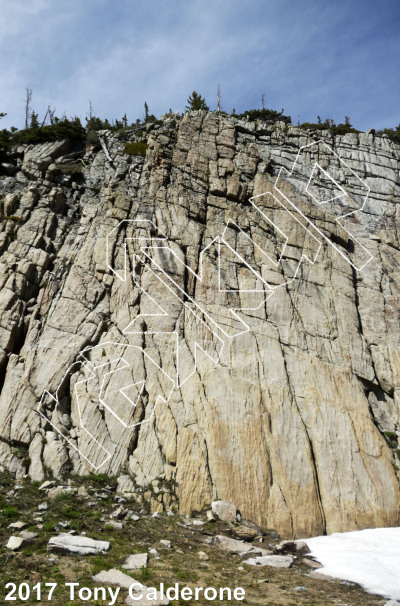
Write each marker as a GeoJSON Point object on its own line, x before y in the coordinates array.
{"type": "Point", "coordinates": [72, 128]}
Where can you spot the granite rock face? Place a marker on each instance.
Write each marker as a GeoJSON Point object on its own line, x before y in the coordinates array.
{"type": "Point", "coordinates": [118, 332]}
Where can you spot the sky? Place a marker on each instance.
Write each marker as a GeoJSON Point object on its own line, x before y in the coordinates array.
{"type": "Point", "coordinates": [330, 58]}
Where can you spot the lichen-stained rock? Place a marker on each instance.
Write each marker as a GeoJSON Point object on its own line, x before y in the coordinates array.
{"type": "Point", "coordinates": [288, 408]}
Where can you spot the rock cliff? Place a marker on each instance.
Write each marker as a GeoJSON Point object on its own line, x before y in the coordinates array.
{"type": "Point", "coordinates": [198, 322]}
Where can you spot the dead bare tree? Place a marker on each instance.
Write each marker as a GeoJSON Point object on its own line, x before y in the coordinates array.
{"type": "Point", "coordinates": [28, 100]}
{"type": "Point", "coordinates": [262, 100]}
{"type": "Point", "coordinates": [50, 114]}
{"type": "Point", "coordinates": [105, 150]}
{"type": "Point", "coordinates": [218, 99]}
{"type": "Point", "coordinates": [45, 117]}
{"type": "Point", "coordinates": [90, 111]}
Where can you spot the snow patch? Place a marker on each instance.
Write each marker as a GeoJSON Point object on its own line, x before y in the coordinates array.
{"type": "Point", "coordinates": [369, 557]}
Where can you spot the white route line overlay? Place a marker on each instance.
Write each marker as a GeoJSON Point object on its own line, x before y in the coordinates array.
{"type": "Point", "coordinates": [270, 289]}
{"type": "Point", "coordinates": [343, 194]}
{"type": "Point", "coordinates": [86, 364]}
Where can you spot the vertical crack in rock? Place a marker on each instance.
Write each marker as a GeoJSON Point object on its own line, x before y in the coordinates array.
{"type": "Point", "coordinates": [309, 441]}
{"type": "Point", "coordinates": [297, 421]}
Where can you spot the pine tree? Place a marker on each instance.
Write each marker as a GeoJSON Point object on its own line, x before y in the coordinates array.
{"type": "Point", "coordinates": [196, 101]}
{"type": "Point", "coordinates": [34, 120]}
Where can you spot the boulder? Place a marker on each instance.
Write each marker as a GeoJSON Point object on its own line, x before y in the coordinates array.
{"type": "Point", "coordinates": [210, 516]}
{"type": "Point", "coordinates": [275, 561]}
{"type": "Point", "coordinates": [115, 525]}
{"type": "Point", "coordinates": [46, 485]}
{"type": "Point", "coordinates": [166, 543]}
{"type": "Point", "coordinates": [240, 547]}
{"type": "Point", "coordinates": [120, 579]}
{"type": "Point", "coordinates": [135, 561]}
{"type": "Point", "coordinates": [28, 536]}
{"type": "Point", "coordinates": [231, 545]}
{"type": "Point", "coordinates": [18, 525]}
{"type": "Point", "coordinates": [11, 202]}
{"type": "Point", "coordinates": [66, 543]}
{"type": "Point", "coordinates": [15, 543]}
{"type": "Point", "coordinates": [254, 552]}
{"type": "Point", "coordinates": [246, 533]}
{"type": "Point", "coordinates": [293, 547]}
{"type": "Point", "coordinates": [224, 510]}
{"type": "Point", "coordinates": [311, 563]}
{"type": "Point", "coordinates": [114, 577]}
{"type": "Point", "coordinates": [202, 555]}
{"type": "Point", "coordinates": [158, 601]}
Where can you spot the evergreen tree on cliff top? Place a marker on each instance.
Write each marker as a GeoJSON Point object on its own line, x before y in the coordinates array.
{"type": "Point", "coordinates": [196, 101]}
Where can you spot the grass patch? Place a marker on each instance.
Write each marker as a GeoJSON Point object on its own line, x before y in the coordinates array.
{"type": "Point", "coordinates": [70, 513]}
{"type": "Point", "coordinates": [13, 218]}
{"type": "Point", "coordinates": [74, 170]}
{"type": "Point", "coordinates": [184, 574]}
{"type": "Point", "coordinates": [98, 564]}
{"type": "Point", "coordinates": [136, 148]}
{"type": "Point", "coordinates": [143, 575]}
{"type": "Point", "coordinates": [98, 481]}
{"type": "Point", "coordinates": [10, 512]}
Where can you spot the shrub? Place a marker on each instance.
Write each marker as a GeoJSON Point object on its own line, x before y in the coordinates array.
{"type": "Point", "coordinates": [265, 115]}
{"type": "Point", "coordinates": [314, 126]}
{"type": "Point", "coordinates": [391, 435]}
{"type": "Point", "coordinates": [392, 133]}
{"type": "Point", "coordinates": [5, 139]}
{"type": "Point", "coordinates": [63, 129]}
{"type": "Point", "coordinates": [343, 129]}
{"type": "Point", "coordinates": [10, 511]}
{"type": "Point", "coordinates": [75, 170]}
{"type": "Point", "coordinates": [136, 148]}
{"type": "Point", "coordinates": [329, 124]}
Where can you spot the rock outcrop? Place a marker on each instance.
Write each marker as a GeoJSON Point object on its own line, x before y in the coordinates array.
{"type": "Point", "coordinates": [122, 350]}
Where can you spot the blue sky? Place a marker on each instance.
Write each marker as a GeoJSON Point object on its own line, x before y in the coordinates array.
{"type": "Point", "coordinates": [310, 57]}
